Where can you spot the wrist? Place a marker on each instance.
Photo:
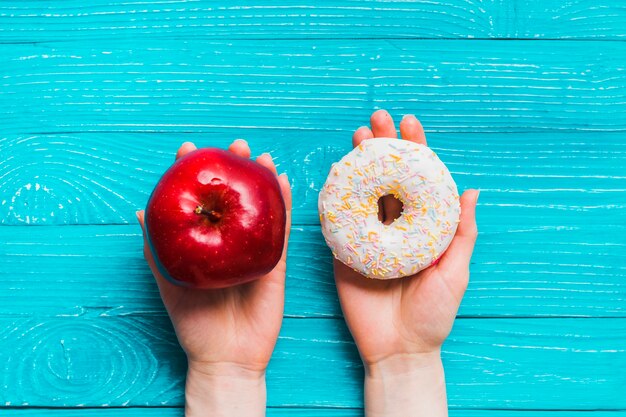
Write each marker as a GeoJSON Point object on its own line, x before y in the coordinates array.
{"type": "Point", "coordinates": [224, 390]}
{"type": "Point", "coordinates": [406, 384]}
{"type": "Point", "coordinates": [402, 363]}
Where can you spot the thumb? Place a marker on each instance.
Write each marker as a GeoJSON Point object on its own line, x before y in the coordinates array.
{"type": "Point", "coordinates": [147, 253]}
{"type": "Point", "coordinates": [140, 218]}
{"type": "Point", "coordinates": [141, 214]}
{"type": "Point", "coordinates": [454, 264]}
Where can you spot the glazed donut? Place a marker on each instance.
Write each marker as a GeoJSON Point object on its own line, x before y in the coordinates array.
{"type": "Point", "coordinates": [348, 208]}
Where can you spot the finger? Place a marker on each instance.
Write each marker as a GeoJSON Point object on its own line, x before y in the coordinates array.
{"type": "Point", "coordinates": [454, 264]}
{"type": "Point", "coordinates": [467, 225]}
{"type": "Point", "coordinates": [278, 274]}
{"type": "Point", "coordinates": [240, 147]}
{"type": "Point", "coordinates": [141, 219]}
{"type": "Point", "coordinates": [411, 129]}
{"type": "Point", "coordinates": [146, 248]}
{"type": "Point", "coordinates": [360, 135]}
{"type": "Point", "coordinates": [392, 208]}
{"type": "Point", "coordinates": [185, 148]}
{"type": "Point", "coordinates": [147, 253]}
{"type": "Point", "coordinates": [266, 160]}
{"type": "Point", "coordinates": [285, 189]}
{"type": "Point", "coordinates": [382, 125]}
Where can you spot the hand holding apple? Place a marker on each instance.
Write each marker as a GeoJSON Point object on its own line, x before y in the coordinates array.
{"type": "Point", "coordinates": [228, 334]}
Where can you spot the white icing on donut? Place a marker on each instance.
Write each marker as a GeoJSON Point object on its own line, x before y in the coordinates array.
{"type": "Point", "coordinates": [348, 207]}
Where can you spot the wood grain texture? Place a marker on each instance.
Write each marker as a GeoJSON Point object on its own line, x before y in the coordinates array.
{"type": "Point", "coordinates": [285, 412]}
{"type": "Point", "coordinates": [250, 19]}
{"type": "Point", "coordinates": [573, 183]}
{"type": "Point", "coordinates": [99, 271]}
{"type": "Point", "coordinates": [37, 21]}
{"type": "Point", "coordinates": [96, 97]}
{"type": "Point", "coordinates": [132, 361]}
{"type": "Point", "coordinates": [198, 86]}
{"type": "Point", "coordinates": [580, 19]}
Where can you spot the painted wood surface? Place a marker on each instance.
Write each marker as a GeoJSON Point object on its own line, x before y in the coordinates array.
{"type": "Point", "coordinates": [568, 183]}
{"type": "Point", "coordinates": [494, 363]}
{"type": "Point", "coordinates": [95, 98]}
{"type": "Point", "coordinates": [37, 21]}
{"type": "Point", "coordinates": [198, 86]}
{"type": "Point", "coordinates": [51, 271]}
{"type": "Point", "coordinates": [286, 412]}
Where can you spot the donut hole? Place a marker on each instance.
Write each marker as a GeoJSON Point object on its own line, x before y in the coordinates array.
{"type": "Point", "coordinates": [389, 208]}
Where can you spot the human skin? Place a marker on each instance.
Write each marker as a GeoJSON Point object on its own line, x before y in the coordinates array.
{"type": "Point", "coordinates": [399, 325]}
{"type": "Point", "coordinates": [228, 334]}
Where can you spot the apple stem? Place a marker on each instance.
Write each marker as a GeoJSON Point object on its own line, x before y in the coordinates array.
{"type": "Point", "coordinates": [213, 215]}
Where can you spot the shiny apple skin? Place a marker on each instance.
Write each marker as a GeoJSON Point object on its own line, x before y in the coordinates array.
{"type": "Point", "coordinates": [200, 250]}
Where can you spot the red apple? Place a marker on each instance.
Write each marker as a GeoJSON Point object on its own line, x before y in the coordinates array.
{"type": "Point", "coordinates": [216, 220]}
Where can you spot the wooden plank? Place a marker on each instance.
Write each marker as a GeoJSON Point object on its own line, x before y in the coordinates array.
{"type": "Point", "coordinates": [527, 180]}
{"type": "Point", "coordinates": [251, 19]}
{"type": "Point", "coordinates": [198, 86]}
{"type": "Point", "coordinates": [37, 21]}
{"type": "Point", "coordinates": [516, 271]}
{"type": "Point", "coordinates": [179, 412]}
{"type": "Point", "coordinates": [285, 412]}
{"type": "Point", "coordinates": [133, 361]}
{"type": "Point", "coordinates": [604, 19]}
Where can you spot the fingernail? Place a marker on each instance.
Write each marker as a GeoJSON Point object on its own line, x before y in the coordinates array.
{"type": "Point", "coordinates": [477, 195]}
{"type": "Point", "coordinates": [268, 155]}
{"type": "Point", "coordinates": [284, 175]}
{"type": "Point", "coordinates": [241, 140]}
{"type": "Point", "coordinates": [137, 214]}
{"type": "Point", "coordinates": [409, 115]}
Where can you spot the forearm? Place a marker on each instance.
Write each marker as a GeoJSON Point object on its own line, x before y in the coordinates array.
{"type": "Point", "coordinates": [406, 386]}
{"type": "Point", "coordinates": [224, 391]}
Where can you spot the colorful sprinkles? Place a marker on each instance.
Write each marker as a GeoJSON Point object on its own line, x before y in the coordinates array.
{"type": "Point", "coordinates": [348, 208]}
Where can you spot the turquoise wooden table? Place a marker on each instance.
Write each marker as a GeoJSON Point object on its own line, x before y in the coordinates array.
{"type": "Point", "coordinates": [525, 100]}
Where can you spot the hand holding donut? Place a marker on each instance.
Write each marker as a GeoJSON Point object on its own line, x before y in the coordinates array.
{"type": "Point", "coordinates": [399, 325]}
